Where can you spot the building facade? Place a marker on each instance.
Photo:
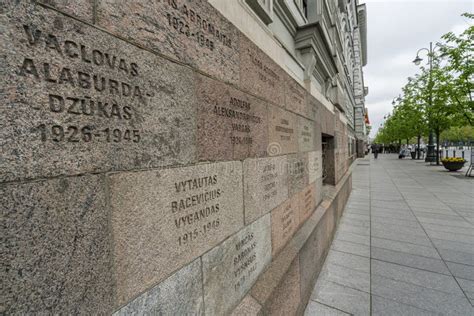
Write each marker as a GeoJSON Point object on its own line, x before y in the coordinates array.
{"type": "Point", "coordinates": [321, 44]}
{"type": "Point", "coordinates": [175, 157]}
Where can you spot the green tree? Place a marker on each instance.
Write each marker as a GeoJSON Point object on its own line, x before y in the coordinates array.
{"type": "Point", "coordinates": [458, 51]}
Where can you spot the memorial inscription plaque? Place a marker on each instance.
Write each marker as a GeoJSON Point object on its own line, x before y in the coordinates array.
{"type": "Point", "coordinates": [297, 173]}
{"type": "Point", "coordinates": [282, 135]}
{"type": "Point", "coordinates": [163, 219]}
{"type": "Point", "coordinates": [231, 125]}
{"type": "Point", "coordinates": [315, 167]}
{"type": "Point", "coordinates": [230, 269]}
{"type": "Point", "coordinates": [295, 97]}
{"type": "Point", "coordinates": [193, 32]}
{"type": "Point", "coordinates": [307, 199]}
{"type": "Point", "coordinates": [305, 134]}
{"type": "Point", "coordinates": [313, 107]}
{"type": "Point", "coordinates": [260, 74]}
{"type": "Point", "coordinates": [79, 100]}
{"type": "Point", "coordinates": [265, 185]}
{"type": "Point", "coordinates": [285, 222]}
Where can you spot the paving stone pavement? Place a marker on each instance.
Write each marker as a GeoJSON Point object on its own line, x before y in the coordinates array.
{"type": "Point", "coordinates": [404, 245]}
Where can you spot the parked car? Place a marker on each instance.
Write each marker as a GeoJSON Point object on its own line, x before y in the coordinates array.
{"type": "Point", "coordinates": [404, 152]}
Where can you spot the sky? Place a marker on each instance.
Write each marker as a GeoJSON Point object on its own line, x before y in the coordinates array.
{"type": "Point", "coordinates": [396, 29]}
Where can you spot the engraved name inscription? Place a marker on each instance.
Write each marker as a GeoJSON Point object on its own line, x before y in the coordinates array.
{"type": "Point", "coordinates": [265, 73]}
{"type": "Point", "coordinates": [268, 181]}
{"type": "Point", "coordinates": [242, 121]}
{"type": "Point", "coordinates": [285, 129]}
{"type": "Point", "coordinates": [115, 99]}
{"type": "Point", "coordinates": [287, 220]}
{"type": "Point", "coordinates": [186, 21]}
{"type": "Point", "coordinates": [196, 214]}
{"type": "Point", "coordinates": [306, 134]}
{"type": "Point", "coordinates": [244, 261]}
{"type": "Point", "coordinates": [308, 202]}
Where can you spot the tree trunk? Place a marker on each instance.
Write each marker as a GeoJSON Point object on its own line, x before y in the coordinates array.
{"type": "Point", "coordinates": [437, 146]}
{"type": "Point", "coordinates": [418, 149]}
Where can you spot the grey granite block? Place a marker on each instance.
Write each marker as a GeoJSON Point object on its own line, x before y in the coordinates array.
{"type": "Point", "coordinates": [345, 276]}
{"type": "Point", "coordinates": [348, 260]}
{"type": "Point", "coordinates": [431, 280]}
{"type": "Point", "coordinates": [421, 297]}
{"type": "Point", "coordinates": [180, 294]}
{"type": "Point", "coordinates": [404, 247]}
{"type": "Point", "coordinates": [461, 270]}
{"type": "Point", "coordinates": [343, 298]}
{"type": "Point", "coordinates": [388, 307]}
{"type": "Point", "coordinates": [456, 256]}
{"type": "Point", "coordinates": [317, 309]}
{"type": "Point", "coordinates": [346, 236]}
{"type": "Point", "coordinates": [349, 247]}
{"type": "Point", "coordinates": [405, 237]}
{"type": "Point", "coordinates": [56, 247]}
{"type": "Point", "coordinates": [231, 268]}
{"type": "Point", "coordinates": [410, 260]}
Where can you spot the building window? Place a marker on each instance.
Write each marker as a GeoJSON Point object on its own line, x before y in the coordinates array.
{"type": "Point", "coordinates": [303, 6]}
{"type": "Point", "coordinates": [263, 9]}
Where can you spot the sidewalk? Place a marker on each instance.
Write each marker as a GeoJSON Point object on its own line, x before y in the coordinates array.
{"type": "Point", "coordinates": [404, 246]}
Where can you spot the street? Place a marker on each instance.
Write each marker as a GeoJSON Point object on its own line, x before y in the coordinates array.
{"type": "Point", "coordinates": [404, 246]}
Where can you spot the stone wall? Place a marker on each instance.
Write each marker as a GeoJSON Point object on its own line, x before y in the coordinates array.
{"type": "Point", "coordinates": [154, 159]}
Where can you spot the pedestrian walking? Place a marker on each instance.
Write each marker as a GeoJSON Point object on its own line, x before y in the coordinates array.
{"type": "Point", "coordinates": [375, 150]}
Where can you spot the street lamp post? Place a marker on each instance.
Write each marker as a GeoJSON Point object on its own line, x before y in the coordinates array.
{"type": "Point", "coordinates": [430, 155]}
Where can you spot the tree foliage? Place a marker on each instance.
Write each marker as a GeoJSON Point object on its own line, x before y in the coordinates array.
{"type": "Point", "coordinates": [440, 97]}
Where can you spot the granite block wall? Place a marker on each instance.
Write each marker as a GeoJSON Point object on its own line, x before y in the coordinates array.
{"type": "Point", "coordinates": [155, 160]}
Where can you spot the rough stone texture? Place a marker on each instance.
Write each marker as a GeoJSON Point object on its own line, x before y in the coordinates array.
{"type": "Point", "coordinates": [282, 132]}
{"type": "Point", "coordinates": [191, 31]}
{"type": "Point", "coordinates": [313, 108]}
{"type": "Point", "coordinates": [259, 74]}
{"type": "Point", "coordinates": [306, 136]}
{"type": "Point", "coordinates": [327, 121]}
{"type": "Point", "coordinates": [286, 297]}
{"type": "Point", "coordinates": [55, 247]}
{"type": "Point", "coordinates": [264, 289]}
{"type": "Point", "coordinates": [265, 185]}
{"type": "Point", "coordinates": [317, 136]}
{"type": "Point", "coordinates": [180, 294]}
{"type": "Point", "coordinates": [247, 307]}
{"type": "Point", "coordinates": [285, 221]}
{"type": "Point", "coordinates": [164, 219]}
{"type": "Point", "coordinates": [297, 173]}
{"type": "Point", "coordinates": [315, 165]}
{"type": "Point", "coordinates": [329, 162]}
{"type": "Point", "coordinates": [230, 269]}
{"type": "Point", "coordinates": [82, 9]}
{"type": "Point", "coordinates": [307, 200]}
{"type": "Point", "coordinates": [318, 190]}
{"type": "Point", "coordinates": [231, 125]}
{"type": "Point", "coordinates": [295, 97]}
{"type": "Point", "coordinates": [311, 262]}
{"type": "Point", "coordinates": [54, 120]}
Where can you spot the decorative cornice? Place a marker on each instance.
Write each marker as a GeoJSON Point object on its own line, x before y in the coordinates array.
{"type": "Point", "coordinates": [311, 38]}
{"type": "Point", "coordinates": [286, 16]}
{"type": "Point", "coordinates": [264, 13]}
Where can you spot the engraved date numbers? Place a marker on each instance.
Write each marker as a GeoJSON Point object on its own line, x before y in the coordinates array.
{"type": "Point", "coordinates": [191, 236]}
{"type": "Point", "coordinates": [76, 134]}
